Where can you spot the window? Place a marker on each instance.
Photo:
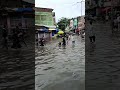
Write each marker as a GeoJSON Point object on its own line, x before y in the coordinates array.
{"type": "Point", "coordinates": [43, 17]}
{"type": "Point", "coordinates": [37, 17]}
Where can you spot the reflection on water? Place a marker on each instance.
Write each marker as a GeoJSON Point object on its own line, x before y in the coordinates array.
{"type": "Point", "coordinates": [58, 66]}
{"type": "Point", "coordinates": [16, 69]}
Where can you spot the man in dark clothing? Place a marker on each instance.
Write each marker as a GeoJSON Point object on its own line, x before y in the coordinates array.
{"type": "Point", "coordinates": [14, 38]}
{"type": "Point", "coordinates": [42, 42]}
{"type": "Point", "coordinates": [91, 33]}
{"type": "Point", "coordinates": [16, 41]}
{"type": "Point", "coordinates": [21, 37]}
{"type": "Point", "coordinates": [4, 35]}
{"type": "Point", "coordinates": [64, 42]}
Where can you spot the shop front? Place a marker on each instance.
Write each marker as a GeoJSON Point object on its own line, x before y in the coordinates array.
{"type": "Point", "coordinates": [16, 17]}
{"type": "Point", "coordinates": [42, 32]}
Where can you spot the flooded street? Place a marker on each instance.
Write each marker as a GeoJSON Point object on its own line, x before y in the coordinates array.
{"type": "Point", "coordinates": [60, 68]}
{"type": "Point", "coordinates": [17, 69]}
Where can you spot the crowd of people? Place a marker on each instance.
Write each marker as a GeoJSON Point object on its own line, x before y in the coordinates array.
{"type": "Point", "coordinates": [63, 40]}
{"type": "Point", "coordinates": [16, 38]}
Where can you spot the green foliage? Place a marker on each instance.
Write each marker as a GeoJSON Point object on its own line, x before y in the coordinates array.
{"type": "Point", "coordinates": [63, 23]}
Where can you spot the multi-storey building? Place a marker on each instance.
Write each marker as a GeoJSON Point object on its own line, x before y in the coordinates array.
{"type": "Point", "coordinates": [45, 22]}
{"type": "Point", "coordinates": [16, 3]}
{"type": "Point", "coordinates": [90, 7]}
{"type": "Point", "coordinates": [77, 24]}
{"type": "Point", "coordinates": [21, 15]}
{"type": "Point", "coordinates": [44, 17]}
{"type": "Point", "coordinates": [102, 7]}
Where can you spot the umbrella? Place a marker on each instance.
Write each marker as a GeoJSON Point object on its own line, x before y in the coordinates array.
{"type": "Point", "coordinates": [60, 32]}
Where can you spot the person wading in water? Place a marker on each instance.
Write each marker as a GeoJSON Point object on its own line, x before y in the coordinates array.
{"type": "Point", "coordinates": [42, 42]}
{"type": "Point", "coordinates": [4, 35]}
{"type": "Point", "coordinates": [64, 42]}
{"type": "Point", "coordinates": [91, 33]}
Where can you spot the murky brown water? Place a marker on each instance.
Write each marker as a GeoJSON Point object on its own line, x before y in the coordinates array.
{"type": "Point", "coordinates": [60, 68]}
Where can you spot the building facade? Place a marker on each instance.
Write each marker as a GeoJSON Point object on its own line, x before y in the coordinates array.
{"type": "Point", "coordinates": [77, 24]}
{"type": "Point", "coordinates": [102, 8]}
{"type": "Point", "coordinates": [17, 3]}
{"type": "Point", "coordinates": [22, 15]}
{"type": "Point", "coordinates": [45, 17]}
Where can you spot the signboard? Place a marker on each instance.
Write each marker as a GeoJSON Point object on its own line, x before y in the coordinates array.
{"type": "Point", "coordinates": [75, 22]}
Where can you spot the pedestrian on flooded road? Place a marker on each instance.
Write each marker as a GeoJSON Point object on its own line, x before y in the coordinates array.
{"type": "Point", "coordinates": [67, 38]}
{"type": "Point", "coordinates": [118, 20]}
{"type": "Point", "coordinates": [73, 40]}
{"type": "Point", "coordinates": [60, 42]}
{"type": "Point", "coordinates": [42, 42]}
{"type": "Point", "coordinates": [115, 24]}
{"type": "Point", "coordinates": [64, 41]}
{"type": "Point", "coordinates": [21, 37]}
{"type": "Point", "coordinates": [4, 39]}
{"type": "Point", "coordinates": [16, 41]}
{"type": "Point", "coordinates": [91, 33]}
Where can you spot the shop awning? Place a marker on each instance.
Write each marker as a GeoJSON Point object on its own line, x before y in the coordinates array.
{"type": "Point", "coordinates": [52, 29]}
{"type": "Point", "coordinates": [23, 9]}
{"type": "Point", "coordinates": [42, 30]}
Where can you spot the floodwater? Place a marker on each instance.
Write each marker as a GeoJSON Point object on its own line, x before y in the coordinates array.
{"type": "Point", "coordinates": [60, 68]}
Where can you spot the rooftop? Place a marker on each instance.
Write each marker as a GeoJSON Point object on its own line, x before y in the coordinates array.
{"type": "Point", "coordinates": [29, 1]}
{"type": "Point", "coordinates": [39, 9]}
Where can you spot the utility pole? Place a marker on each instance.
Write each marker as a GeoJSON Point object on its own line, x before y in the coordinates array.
{"type": "Point", "coordinates": [81, 5]}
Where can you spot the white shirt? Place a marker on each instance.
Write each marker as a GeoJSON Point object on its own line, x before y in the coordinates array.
{"type": "Point", "coordinates": [72, 38]}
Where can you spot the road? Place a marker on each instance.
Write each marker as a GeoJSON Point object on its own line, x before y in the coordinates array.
{"type": "Point", "coordinates": [17, 67]}
{"type": "Point", "coordinates": [102, 61]}
{"type": "Point", "coordinates": [60, 68]}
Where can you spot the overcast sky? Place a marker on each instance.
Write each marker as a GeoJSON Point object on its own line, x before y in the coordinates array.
{"type": "Point", "coordinates": [63, 8]}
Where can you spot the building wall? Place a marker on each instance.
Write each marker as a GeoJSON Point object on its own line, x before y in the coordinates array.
{"type": "Point", "coordinates": [77, 23]}
{"type": "Point", "coordinates": [71, 23]}
{"type": "Point", "coordinates": [17, 3]}
{"type": "Point", "coordinates": [44, 18]}
{"type": "Point", "coordinates": [54, 19]}
{"type": "Point", "coordinates": [9, 3]}
{"type": "Point", "coordinates": [81, 22]}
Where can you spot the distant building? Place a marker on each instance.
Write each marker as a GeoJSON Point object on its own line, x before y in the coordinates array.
{"type": "Point", "coordinates": [44, 17]}
{"type": "Point", "coordinates": [45, 22]}
{"type": "Point", "coordinates": [81, 23]}
{"type": "Point", "coordinates": [77, 24]}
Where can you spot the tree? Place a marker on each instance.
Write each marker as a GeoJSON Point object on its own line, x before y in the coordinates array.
{"type": "Point", "coordinates": [63, 23]}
